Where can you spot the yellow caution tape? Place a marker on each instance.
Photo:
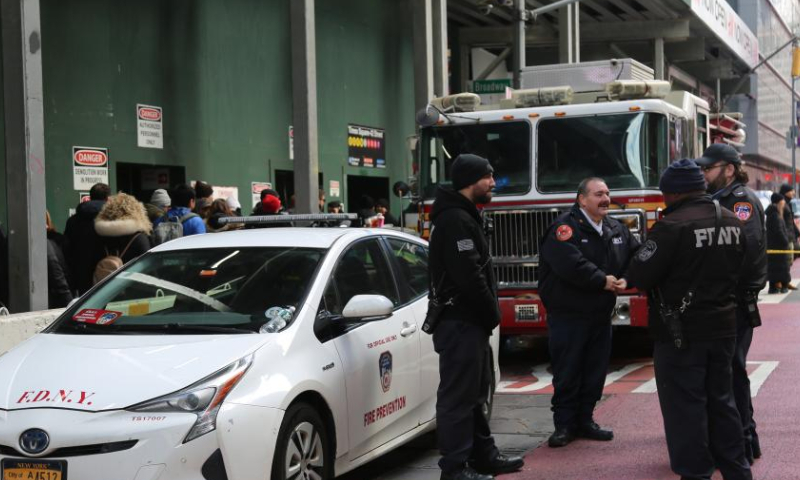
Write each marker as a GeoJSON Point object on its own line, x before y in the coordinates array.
{"type": "Point", "coordinates": [783, 251]}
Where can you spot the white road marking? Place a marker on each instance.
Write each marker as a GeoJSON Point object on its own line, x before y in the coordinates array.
{"type": "Point", "coordinates": [545, 379]}
{"type": "Point", "coordinates": [772, 298]}
{"type": "Point", "coordinates": [616, 375]}
{"type": "Point", "coordinates": [647, 387]}
{"type": "Point", "coordinates": [759, 376]}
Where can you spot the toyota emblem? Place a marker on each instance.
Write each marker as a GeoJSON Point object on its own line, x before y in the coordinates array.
{"type": "Point", "coordinates": [34, 440]}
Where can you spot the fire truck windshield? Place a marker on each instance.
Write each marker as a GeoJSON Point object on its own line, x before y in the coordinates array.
{"type": "Point", "coordinates": [628, 151]}
{"type": "Point", "coordinates": [507, 145]}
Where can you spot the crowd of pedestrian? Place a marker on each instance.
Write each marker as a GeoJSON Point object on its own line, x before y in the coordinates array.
{"type": "Point", "coordinates": [782, 238]}
{"type": "Point", "coordinates": [109, 227]}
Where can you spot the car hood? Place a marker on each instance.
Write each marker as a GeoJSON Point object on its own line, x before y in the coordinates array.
{"type": "Point", "coordinates": [103, 372]}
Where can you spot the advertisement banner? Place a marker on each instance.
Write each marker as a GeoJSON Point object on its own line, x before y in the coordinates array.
{"type": "Point", "coordinates": [720, 17]}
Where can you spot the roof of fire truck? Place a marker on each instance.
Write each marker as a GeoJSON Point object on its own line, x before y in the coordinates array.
{"type": "Point", "coordinates": [632, 96]}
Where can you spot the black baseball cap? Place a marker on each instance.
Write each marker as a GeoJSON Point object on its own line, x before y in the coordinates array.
{"type": "Point", "coordinates": [719, 152]}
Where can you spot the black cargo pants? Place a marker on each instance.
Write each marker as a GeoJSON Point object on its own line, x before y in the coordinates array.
{"type": "Point", "coordinates": [701, 423]}
{"type": "Point", "coordinates": [580, 350]}
{"type": "Point", "coordinates": [464, 382]}
{"type": "Point", "coordinates": [741, 382]}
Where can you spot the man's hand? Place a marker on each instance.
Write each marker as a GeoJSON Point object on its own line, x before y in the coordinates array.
{"type": "Point", "coordinates": [620, 285]}
{"type": "Point", "coordinates": [611, 282]}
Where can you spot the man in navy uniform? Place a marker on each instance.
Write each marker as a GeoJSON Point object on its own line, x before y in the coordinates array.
{"type": "Point", "coordinates": [690, 267]}
{"type": "Point", "coordinates": [727, 182]}
{"type": "Point", "coordinates": [583, 259]}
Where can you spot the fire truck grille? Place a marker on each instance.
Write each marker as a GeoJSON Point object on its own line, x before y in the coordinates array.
{"type": "Point", "coordinates": [514, 244]}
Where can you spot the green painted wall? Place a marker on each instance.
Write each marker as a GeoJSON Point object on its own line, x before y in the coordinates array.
{"type": "Point", "coordinates": [221, 71]}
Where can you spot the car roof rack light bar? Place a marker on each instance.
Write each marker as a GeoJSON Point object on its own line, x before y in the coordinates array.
{"type": "Point", "coordinates": [306, 217]}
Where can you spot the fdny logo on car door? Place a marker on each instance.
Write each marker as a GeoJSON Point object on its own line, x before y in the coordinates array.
{"type": "Point", "coordinates": [385, 368]}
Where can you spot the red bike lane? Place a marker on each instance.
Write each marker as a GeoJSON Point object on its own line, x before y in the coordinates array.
{"type": "Point", "coordinates": [639, 450]}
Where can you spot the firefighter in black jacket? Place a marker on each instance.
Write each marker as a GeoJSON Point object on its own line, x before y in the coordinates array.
{"type": "Point", "coordinates": [461, 270]}
{"type": "Point", "coordinates": [584, 255]}
{"type": "Point", "coordinates": [726, 182]}
{"type": "Point", "coordinates": [690, 268]}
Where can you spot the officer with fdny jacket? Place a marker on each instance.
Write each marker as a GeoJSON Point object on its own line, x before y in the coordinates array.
{"type": "Point", "coordinates": [690, 267]}
{"type": "Point", "coordinates": [461, 270]}
{"type": "Point", "coordinates": [727, 181]}
{"type": "Point", "coordinates": [583, 258]}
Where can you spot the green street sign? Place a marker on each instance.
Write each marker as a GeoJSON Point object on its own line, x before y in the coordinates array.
{"type": "Point", "coordinates": [491, 86]}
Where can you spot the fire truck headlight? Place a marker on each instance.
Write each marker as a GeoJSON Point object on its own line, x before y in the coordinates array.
{"type": "Point", "coordinates": [633, 220]}
{"type": "Point", "coordinates": [203, 398]}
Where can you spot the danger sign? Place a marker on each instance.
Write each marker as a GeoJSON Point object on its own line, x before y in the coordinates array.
{"type": "Point", "coordinates": [89, 166]}
{"type": "Point", "coordinates": [149, 126]}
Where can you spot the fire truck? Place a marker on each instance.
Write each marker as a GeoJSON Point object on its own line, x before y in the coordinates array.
{"type": "Point", "coordinates": [543, 141]}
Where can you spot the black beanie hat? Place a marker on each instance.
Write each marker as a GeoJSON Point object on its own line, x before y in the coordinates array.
{"type": "Point", "coordinates": [468, 169]}
{"type": "Point", "coordinates": [681, 177]}
{"type": "Point", "coordinates": [785, 188]}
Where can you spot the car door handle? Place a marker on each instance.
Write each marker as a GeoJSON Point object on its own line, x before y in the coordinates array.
{"type": "Point", "coordinates": [409, 330]}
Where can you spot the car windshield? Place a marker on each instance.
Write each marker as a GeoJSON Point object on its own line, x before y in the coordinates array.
{"type": "Point", "coordinates": [626, 150]}
{"type": "Point", "coordinates": [506, 145]}
{"type": "Point", "coordinates": [219, 290]}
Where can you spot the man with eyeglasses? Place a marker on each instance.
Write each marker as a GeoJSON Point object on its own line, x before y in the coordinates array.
{"type": "Point", "coordinates": [727, 182]}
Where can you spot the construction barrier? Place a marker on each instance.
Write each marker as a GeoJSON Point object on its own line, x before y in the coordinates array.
{"type": "Point", "coordinates": [18, 327]}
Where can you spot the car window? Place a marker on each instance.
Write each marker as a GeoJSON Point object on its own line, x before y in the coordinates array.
{"type": "Point", "coordinates": [220, 287]}
{"type": "Point", "coordinates": [361, 270]}
{"type": "Point", "coordinates": [412, 259]}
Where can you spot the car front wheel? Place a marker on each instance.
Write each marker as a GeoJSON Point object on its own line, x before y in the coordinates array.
{"type": "Point", "coordinates": [302, 451]}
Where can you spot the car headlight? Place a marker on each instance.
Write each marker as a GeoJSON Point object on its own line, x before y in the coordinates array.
{"type": "Point", "coordinates": [203, 398]}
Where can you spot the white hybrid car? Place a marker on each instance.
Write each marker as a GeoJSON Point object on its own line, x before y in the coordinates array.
{"type": "Point", "coordinates": [282, 353]}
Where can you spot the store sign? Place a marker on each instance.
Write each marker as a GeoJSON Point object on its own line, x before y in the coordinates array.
{"type": "Point", "coordinates": [89, 166]}
{"type": "Point", "coordinates": [149, 123]}
{"type": "Point", "coordinates": [366, 146]}
{"type": "Point", "coordinates": [333, 189]}
{"type": "Point", "coordinates": [720, 17]}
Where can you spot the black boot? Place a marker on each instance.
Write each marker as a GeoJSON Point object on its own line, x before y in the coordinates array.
{"type": "Point", "coordinates": [465, 474]}
{"type": "Point", "coordinates": [592, 431]}
{"type": "Point", "coordinates": [561, 437]}
{"type": "Point", "coordinates": [500, 464]}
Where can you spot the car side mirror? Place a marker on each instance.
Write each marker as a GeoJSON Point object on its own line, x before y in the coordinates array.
{"type": "Point", "coordinates": [367, 308]}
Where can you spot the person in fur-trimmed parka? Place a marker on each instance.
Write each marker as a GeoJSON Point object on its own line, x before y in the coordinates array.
{"type": "Point", "coordinates": [122, 222]}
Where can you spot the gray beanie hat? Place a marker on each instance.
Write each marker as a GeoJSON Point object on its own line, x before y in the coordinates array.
{"type": "Point", "coordinates": [160, 199]}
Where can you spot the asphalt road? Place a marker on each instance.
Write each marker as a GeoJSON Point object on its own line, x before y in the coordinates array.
{"type": "Point", "coordinates": [521, 421]}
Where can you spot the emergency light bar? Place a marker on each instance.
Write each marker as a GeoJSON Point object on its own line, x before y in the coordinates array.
{"type": "Point", "coordinates": [537, 97]}
{"type": "Point", "coordinates": [630, 89]}
{"type": "Point", "coordinates": [460, 102]}
{"type": "Point", "coordinates": [306, 217]}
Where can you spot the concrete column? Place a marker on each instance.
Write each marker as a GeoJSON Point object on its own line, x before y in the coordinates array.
{"type": "Point", "coordinates": [659, 59]}
{"type": "Point", "coordinates": [24, 136]}
{"type": "Point", "coordinates": [441, 85]}
{"type": "Point", "coordinates": [423, 52]}
{"type": "Point", "coordinates": [304, 111]}
{"type": "Point", "coordinates": [569, 38]}
{"type": "Point", "coordinates": [518, 26]}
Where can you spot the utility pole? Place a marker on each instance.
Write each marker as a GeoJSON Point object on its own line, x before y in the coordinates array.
{"type": "Point", "coordinates": [793, 128]}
